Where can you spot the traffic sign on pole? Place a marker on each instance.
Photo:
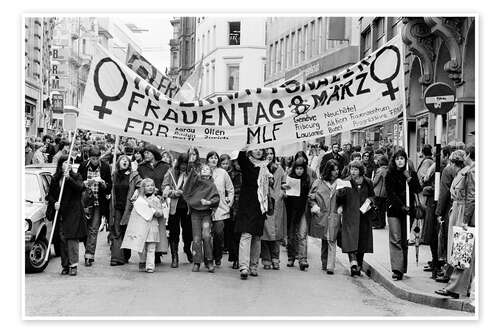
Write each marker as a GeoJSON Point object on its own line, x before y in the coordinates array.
{"type": "Point", "coordinates": [439, 98]}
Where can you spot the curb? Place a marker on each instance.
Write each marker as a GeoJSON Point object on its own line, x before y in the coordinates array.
{"type": "Point", "coordinates": [401, 290]}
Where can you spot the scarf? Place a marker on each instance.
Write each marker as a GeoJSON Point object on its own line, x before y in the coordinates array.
{"type": "Point", "coordinates": [262, 182]}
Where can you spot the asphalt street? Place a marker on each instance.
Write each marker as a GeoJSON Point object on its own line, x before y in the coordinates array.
{"type": "Point", "coordinates": [103, 290]}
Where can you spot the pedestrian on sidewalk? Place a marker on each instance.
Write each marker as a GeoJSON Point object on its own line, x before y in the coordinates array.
{"type": "Point", "coordinates": [125, 183]}
{"type": "Point", "coordinates": [39, 155]}
{"type": "Point", "coordinates": [325, 223]}
{"type": "Point", "coordinates": [96, 176]}
{"type": "Point", "coordinates": [202, 197]}
{"type": "Point", "coordinates": [172, 187]}
{"type": "Point", "coordinates": [356, 230]}
{"type": "Point", "coordinates": [397, 209]}
{"type": "Point", "coordinates": [463, 191]}
{"type": "Point", "coordinates": [142, 234]}
{"type": "Point", "coordinates": [251, 214]}
{"type": "Point", "coordinates": [220, 216]}
{"type": "Point", "coordinates": [71, 217]}
{"type": "Point", "coordinates": [275, 223]}
{"type": "Point", "coordinates": [379, 187]}
{"type": "Point", "coordinates": [443, 207]}
{"type": "Point", "coordinates": [296, 215]}
{"type": "Point", "coordinates": [231, 237]}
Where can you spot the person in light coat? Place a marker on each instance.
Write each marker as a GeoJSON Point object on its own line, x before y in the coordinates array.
{"type": "Point", "coordinates": [142, 234]}
{"type": "Point", "coordinates": [275, 223]}
{"type": "Point", "coordinates": [325, 223]}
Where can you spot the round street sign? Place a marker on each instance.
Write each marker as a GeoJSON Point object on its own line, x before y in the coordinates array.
{"type": "Point", "coordinates": [439, 98]}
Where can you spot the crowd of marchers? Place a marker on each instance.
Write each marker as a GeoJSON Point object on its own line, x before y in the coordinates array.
{"type": "Point", "coordinates": [251, 206]}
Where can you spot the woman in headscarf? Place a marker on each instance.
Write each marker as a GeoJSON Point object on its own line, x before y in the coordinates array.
{"type": "Point", "coordinates": [275, 224]}
{"type": "Point", "coordinates": [251, 216]}
{"type": "Point", "coordinates": [397, 178]}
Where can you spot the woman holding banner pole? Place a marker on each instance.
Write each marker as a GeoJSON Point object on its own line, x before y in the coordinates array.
{"type": "Point", "coordinates": [66, 202]}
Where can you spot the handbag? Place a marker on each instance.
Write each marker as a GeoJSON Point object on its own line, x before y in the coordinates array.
{"type": "Point", "coordinates": [463, 246]}
{"type": "Point", "coordinates": [419, 209]}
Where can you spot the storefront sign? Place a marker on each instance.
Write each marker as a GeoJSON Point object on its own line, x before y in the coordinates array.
{"type": "Point", "coordinates": [118, 101]}
{"type": "Point", "coordinates": [57, 103]}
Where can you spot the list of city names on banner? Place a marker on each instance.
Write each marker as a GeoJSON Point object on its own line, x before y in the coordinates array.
{"type": "Point", "coordinates": [118, 101]}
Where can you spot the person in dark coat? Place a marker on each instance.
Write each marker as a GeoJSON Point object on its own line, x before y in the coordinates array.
{"type": "Point", "coordinates": [369, 164]}
{"type": "Point", "coordinates": [125, 183]}
{"type": "Point", "coordinates": [251, 216]}
{"type": "Point", "coordinates": [96, 176]}
{"type": "Point", "coordinates": [295, 210]}
{"type": "Point", "coordinates": [397, 209]}
{"type": "Point", "coordinates": [233, 239]}
{"type": "Point", "coordinates": [379, 181]}
{"type": "Point", "coordinates": [71, 215]}
{"type": "Point", "coordinates": [51, 151]}
{"type": "Point", "coordinates": [335, 155]}
{"type": "Point", "coordinates": [356, 230]}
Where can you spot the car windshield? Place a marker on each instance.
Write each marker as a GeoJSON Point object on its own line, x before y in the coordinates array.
{"type": "Point", "coordinates": [32, 188]}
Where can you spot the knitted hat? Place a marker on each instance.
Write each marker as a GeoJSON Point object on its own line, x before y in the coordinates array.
{"type": "Point", "coordinates": [153, 150]}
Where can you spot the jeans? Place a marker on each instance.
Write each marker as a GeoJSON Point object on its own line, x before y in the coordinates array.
{"type": "Point", "coordinates": [175, 222]}
{"type": "Point", "coordinates": [148, 255]}
{"type": "Point", "coordinates": [218, 238]}
{"type": "Point", "coordinates": [92, 230]}
{"type": "Point", "coordinates": [328, 253]}
{"type": "Point", "coordinates": [297, 237]}
{"type": "Point", "coordinates": [69, 251]}
{"type": "Point", "coordinates": [202, 240]}
{"type": "Point", "coordinates": [249, 251]}
{"type": "Point", "coordinates": [117, 232]}
{"type": "Point", "coordinates": [398, 244]}
{"type": "Point", "coordinates": [270, 252]}
{"type": "Point", "coordinates": [356, 258]}
{"type": "Point", "coordinates": [234, 240]}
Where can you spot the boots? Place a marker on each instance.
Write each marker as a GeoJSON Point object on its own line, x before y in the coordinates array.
{"type": "Point", "coordinates": [175, 256]}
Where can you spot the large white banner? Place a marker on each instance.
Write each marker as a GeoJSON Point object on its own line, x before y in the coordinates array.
{"type": "Point", "coordinates": [118, 101]}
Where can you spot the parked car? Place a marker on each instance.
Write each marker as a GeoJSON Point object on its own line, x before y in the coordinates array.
{"type": "Point", "coordinates": [37, 227]}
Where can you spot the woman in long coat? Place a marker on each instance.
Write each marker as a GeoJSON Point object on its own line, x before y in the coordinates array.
{"type": "Point", "coordinates": [251, 215]}
{"type": "Point", "coordinates": [325, 223]}
{"type": "Point", "coordinates": [356, 232]}
{"type": "Point", "coordinates": [275, 224]}
{"type": "Point", "coordinates": [396, 180]}
{"type": "Point", "coordinates": [71, 215]}
{"type": "Point", "coordinates": [125, 183]}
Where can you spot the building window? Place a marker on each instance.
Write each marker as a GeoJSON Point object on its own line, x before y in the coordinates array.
{"type": "Point", "coordinates": [213, 78]}
{"type": "Point", "coordinates": [276, 57]}
{"type": "Point", "coordinates": [234, 33]}
{"type": "Point", "coordinates": [320, 35]}
{"type": "Point", "coordinates": [203, 44]}
{"type": "Point", "coordinates": [307, 43]}
{"type": "Point", "coordinates": [380, 32]}
{"type": "Point", "coordinates": [299, 46]}
{"type": "Point", "coordinates": [396, 26]}
{"type": "Point", "coordinates": [288, 52]}
{"type": "Point", "coordinates": [271, 55]}
{"type": "Point", "coordinates": [366, 42]}
{"type": "Point", "coordinates": [293, 56]}
{"type": "Point", "coordinates": [214, 39]}
{"type": "Point", "coordinates": [208, 41]}
{"type": "Point", "coordinates": [233, 77]}
{"type": "Point", "coordinates": [313, 34]}
{"type": "Point", "coordinates": [279, 56]}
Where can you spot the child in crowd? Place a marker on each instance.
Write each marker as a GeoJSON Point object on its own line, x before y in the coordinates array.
{"type": "Point", "coordinates": [142, 234]}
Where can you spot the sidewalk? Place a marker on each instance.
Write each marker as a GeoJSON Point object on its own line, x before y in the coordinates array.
{"type": "Point", "coordinates": [416, 286]}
